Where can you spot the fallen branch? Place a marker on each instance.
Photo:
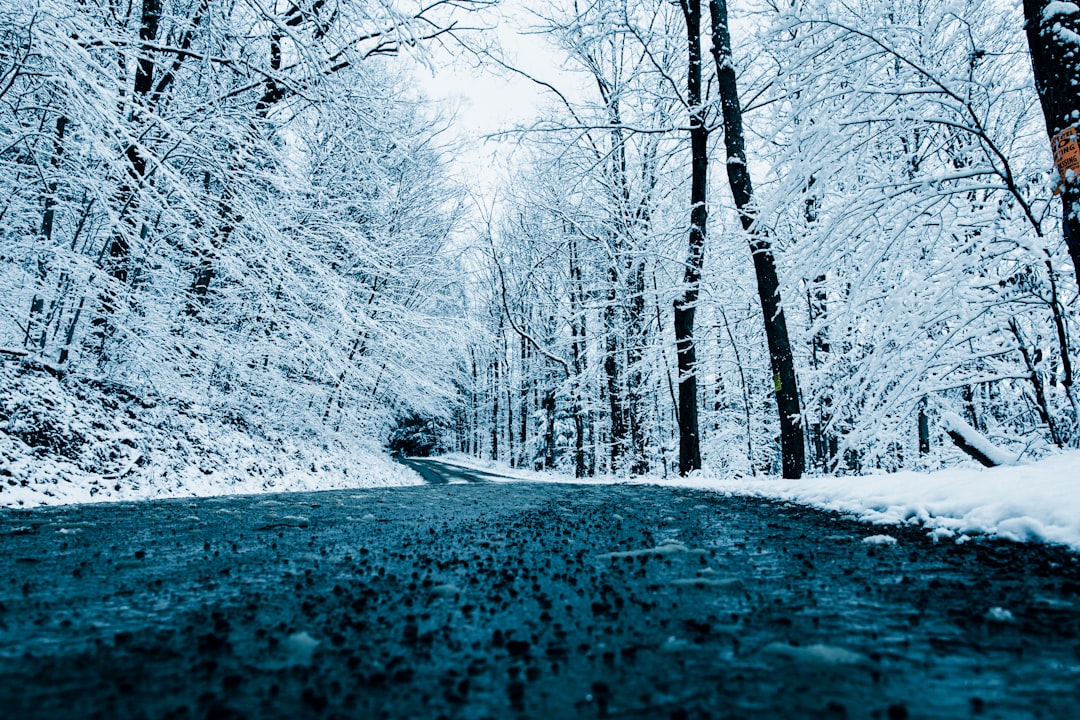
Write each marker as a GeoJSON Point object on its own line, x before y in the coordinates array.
{"type": "Point", "coordinates": [974, 443]}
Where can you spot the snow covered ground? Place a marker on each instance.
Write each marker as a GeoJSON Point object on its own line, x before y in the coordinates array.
{"type": "Point", "coordinates": [63, 444]}
{"type": "Point", "coordinates": [1037, 502]}
{"type": "Point", "coordinates": [32, 480]}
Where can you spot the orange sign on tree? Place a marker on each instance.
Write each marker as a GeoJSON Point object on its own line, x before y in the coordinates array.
{"type": "Point", "coordinates": [1066, 147]}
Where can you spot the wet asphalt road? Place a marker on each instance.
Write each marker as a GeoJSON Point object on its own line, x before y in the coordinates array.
{"type": "Point", "coordinates": [436, 473]}
{"type": "Point", "coordinates": [471, 599]}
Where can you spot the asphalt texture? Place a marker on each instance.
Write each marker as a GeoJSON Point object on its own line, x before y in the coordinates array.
{"type": "Point", "coordinates": [472, 599]}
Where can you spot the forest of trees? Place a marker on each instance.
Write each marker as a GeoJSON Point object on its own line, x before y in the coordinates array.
{"type": "Point", "coordinates": [888, 247]}
{"type": "Point", "coordinates": [246, 207]}
{"type": "Point", "coordinates": [237, 207]}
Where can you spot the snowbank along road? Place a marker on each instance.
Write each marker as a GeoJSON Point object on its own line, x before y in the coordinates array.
{"type": "Point", "coordinates": [523, 600]}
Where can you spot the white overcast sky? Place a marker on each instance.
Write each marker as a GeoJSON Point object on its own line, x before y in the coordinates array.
{"type": "Point", "coordinates": [488, 101]}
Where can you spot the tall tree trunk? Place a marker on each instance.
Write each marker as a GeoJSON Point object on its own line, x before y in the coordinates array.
{"type": "Point", "coordinates": [924, 429]}
{"type": "Point", "coordinates": [549, 430]}
{"type": "Point", "coordinates": [617, 414]}
{"type": "Point", "coordinates": [474, 406]}
{"type": "Point", "coordinates": [1051, 27]}
{"type": "Point", "coordinates": [783, 365]}
{"type": "Point", "coordinates": [119, 248]}
{"type": "Point", "coordinates": [73, 322]}
{"type": "Point", "coordinates": [495, 408]}
{"type": "Point", "coordinates": [823, 439]}
{"type": "Point", "coordinates": [523, 399]}
{"type": "Point", "coordinates": [577, 332]}
{"type": "Point", "coordinates": [35, 328]}
{"type": "Point", "coordinates": [685, 307]}
{"type": "Point", "coordinates": [635, 396]}
{"type": "Point", "coordinates": [510, 448]}
{"type": "Point", "coordinates": [1041, 405]}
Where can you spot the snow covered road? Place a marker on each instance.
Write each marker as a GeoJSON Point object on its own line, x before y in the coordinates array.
{"type": "Point", "coordinates": [523, 600]}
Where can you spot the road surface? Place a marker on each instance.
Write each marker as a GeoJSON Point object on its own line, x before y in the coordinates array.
{"type": "Point", "coordinates": [473, 599]}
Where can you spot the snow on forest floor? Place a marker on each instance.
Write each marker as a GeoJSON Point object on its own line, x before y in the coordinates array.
{"type": "Point", "coordinates": [240, 466]}
{"type": "Point", "coordinates": [245, 468]}
{"type": "Point", "coordinates": [62, 444]}
{"type": "Point", "coordinates": [1035, 502]}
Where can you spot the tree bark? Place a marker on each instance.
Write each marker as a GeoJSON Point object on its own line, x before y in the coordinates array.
{"type": "Point", "coordinates": [783, 365]}
{"type": "Point", "coordinates": [549, 430]}
{"type": "Point", "coordinates": [924, 430]}
{"type": "Point", "coordinates": [1055, 60]}
{"type": "Point", "coordinates": [474, 406]}
{"type": "Point", "coordinates": [523, 399]}
{"type": "Point", "coordinates": [495, 407]}
{"type": "Point", "coordinates": [510, 449]}
{"type": "Point", "coordinates": [578, 346]}
{"type": "Point", "coordinates": [822, 438]}
{"type": "Point", "coordinates": [617, 411]}
{"type": "Point", "coordinates": [119, 247]}
{"type": "Point", "coordinates": [35, 328]}
{"type": "Point", "coordinates": [635, 397]}
{"type": "Point", "coordinates": [685, 307]}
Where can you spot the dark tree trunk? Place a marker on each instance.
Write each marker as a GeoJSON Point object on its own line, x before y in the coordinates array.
{"type": "Point", "coordinates": [824, 440]}
{"type": "Point", "coordinates": [49, 213]}
{"type": "Point", "coordinates": [35, 328]}
{"type": "Point", "coordinates": [633, 223]}
{"type": "Point", "coordinates": [510, 449]}
{"type": "Point", "coordinates": [611, 374]}
{"type": "Point", "coordinates": [685, 307]}
{"type": "Point", "coordinates": [73, 323]}
{"type": "Point", "coordinates": [924, 429]}
{"type": "Point", "coordinates": [968, 393]}
{"type": "Point", "coordinates": [549, 430]}
{"type": "Point", "coordinates": [474, 406]}
{"type": "Point", "coordinates": [821, 438]}
{"type": "Point", "coordinates": [119, 246]}
{"type": "Point", "coordinates": [971, 450]}
{"type": "Point", "coordinates": [1056, 63]}
{"type": "Point", "coordinates": [577, 331]}
{"type": "Point", "coordinates": [495, 408]}
{"type": "Point", "coordinates": [523, 396]}
{"type": "Point", "coordinates": [635, 400]}
{"type": "Point", "coordinates": [783, 365]}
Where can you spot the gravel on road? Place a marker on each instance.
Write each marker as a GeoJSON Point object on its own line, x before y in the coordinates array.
{"type": "Point", "coordinates": [466, 599]}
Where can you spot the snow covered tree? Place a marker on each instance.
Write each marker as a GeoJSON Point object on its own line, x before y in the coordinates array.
{"type": "Point", "coordinates": [908, 131]}
{"type": "Point", "coordinates": [231, 206]}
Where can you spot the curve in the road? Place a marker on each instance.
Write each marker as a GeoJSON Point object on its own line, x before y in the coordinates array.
{"type": "Point", "coordinates": [435, 472]}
